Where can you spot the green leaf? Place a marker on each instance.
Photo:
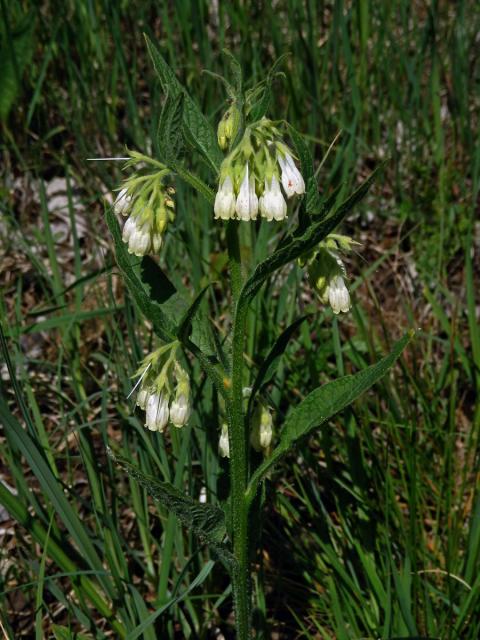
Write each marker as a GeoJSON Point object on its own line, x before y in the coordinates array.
{"type": "Point", "coordinates": [323, 403]}
{"type": "Point", "coordinates": [197, 131]}
{"type": "Point", "coordinates": [207, 521]}
{"type": "Point", "coordinates": [185, 325]}
{"type": "Point", "coordinates": [294, 247]}
{"type": "Point", "coordinates": [163, 326]}
{"type": "Point", "coordinates": [15, 54]}
{"type": "Point", "coordinates": [169, 131]}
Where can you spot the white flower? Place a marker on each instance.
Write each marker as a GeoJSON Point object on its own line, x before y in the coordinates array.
{"type": "Point", "coordinates": [223, 444]}
{"type": "Point", "coordinates": [180, 410]}
{"type": "Point", "coordinates": [157, 241]}
{"type": "Point", "coordinates": [253, 199]}
{"type": "Point", "coordinates": [156, 411]}
{"type": "Point", "coordinates": [225, 200]}
{"type": "Point", "coordinates": [142, 398]}
{"type": "Point", "coordinates": [292, 180]}
{"type": "Point", "coordinates": [129, 227]}
{"type": "Point", "coordinates": [242, 206]}
{"type": "Point", "coordinates": [122, 202]}
{"type": "Point", "coordinates": [138, 238]}
{"type": "Point", "coordinates": [273, 205]}
{"type": "Point", "coordinates": [262, 428]}
{"type": "Point", "coordinates": [338, 295]}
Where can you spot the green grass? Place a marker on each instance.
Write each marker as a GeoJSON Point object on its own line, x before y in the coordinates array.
{"type": "Point", "coordinates": [374, 529]}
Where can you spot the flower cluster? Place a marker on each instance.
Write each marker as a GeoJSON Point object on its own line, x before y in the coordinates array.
{"type": "Point", "coordinates": [148, 203]}
{"type": "Point", "coordinates": [327, 273]}
{"type": "Point", "coordinates": [164, 389]}
{"type": "Point", "coordinates": [259, 175]}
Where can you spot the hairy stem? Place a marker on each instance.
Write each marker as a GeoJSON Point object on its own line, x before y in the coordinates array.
{"type": "Point", "coordinates": [238, 447]}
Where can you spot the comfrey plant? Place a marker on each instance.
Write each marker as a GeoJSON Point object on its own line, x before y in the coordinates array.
{"type": "Point", "coordinates": [263, 173]}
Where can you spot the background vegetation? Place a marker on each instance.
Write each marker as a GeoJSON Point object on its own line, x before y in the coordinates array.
{"type": "Point", "coordinates": [374, 528]}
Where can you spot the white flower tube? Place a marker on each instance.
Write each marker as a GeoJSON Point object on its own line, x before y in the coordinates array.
{"type": "Point", "coordinates": [273, 205]}
{"type": "Point", "coordinates": [292, 181]}
{"type": "Point", "coordinates": [122, 202]}
{"type": "Point", "coordinates": [157, 413]}
{"type": "Point", "coordinates": [242, 206]}
{"type": "Point", "coordinates": [223, 444]}
{"type": "Point", "coordinates": [224, 207]}
{"type": "Point", "coordinates": [180, 410]}
{"type": "Point", "coordinates": [338, 295]}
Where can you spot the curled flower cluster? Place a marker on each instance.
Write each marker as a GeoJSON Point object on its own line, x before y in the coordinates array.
{"type": "Point", "coordinates": [164, 389]}
{"type": "Point", "coordinates": [148, 204]}
{"type": "Point", "coordinates": [327, 273]}
{"type": "Point", "coordinates": [259, 175]}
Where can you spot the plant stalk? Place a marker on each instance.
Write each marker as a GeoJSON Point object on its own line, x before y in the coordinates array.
{"type": "Point", "coordinates": [238, 437]}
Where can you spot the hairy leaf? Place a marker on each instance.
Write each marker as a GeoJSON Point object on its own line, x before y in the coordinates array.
{"type": "Point", "coordinates": [207, 521]}
{"type": "Point", "coordinates": [197, 131]}
{"type": "Point", "coordinates": [169, 131]}
{"type": "Point", "coordinates": [323, 403]}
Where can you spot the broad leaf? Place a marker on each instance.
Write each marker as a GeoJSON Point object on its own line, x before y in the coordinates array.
{"type": "Point", "coordinates": [323, 403]}
{"type": "Point", "coordinates": [198, 132]}
{"type": "Point", "coordinates": [296, 246]}
{"type": "Point", "coordinates": [169, 131]}
{"type": "Point", "coordinates": [207, 521]}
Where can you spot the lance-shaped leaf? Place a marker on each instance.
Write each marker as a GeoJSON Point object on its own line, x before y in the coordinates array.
{"type": "Point", "coordinates": [163, 326]}
{"type": "Point", "coordinates": [296, 246]}
{"type": "Point", "coordinates": [197, 131]}
{"type": "Point", "coordinates": [207, 521]}
{"type": "Point", "coordinates": [323, 403]}
{"type": "Point", "coordinates": [169, 131]}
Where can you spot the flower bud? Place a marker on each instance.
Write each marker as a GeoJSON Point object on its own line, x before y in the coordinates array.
{"type": "Point", "coordinates": [262, 428]}
{"type": "Point", "coordinates": [223, 443]}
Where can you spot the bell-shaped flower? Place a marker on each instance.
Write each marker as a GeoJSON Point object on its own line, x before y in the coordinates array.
{"type": "Point", "coordinates": [225, 200]}
{"type": "Point", "coordinates": [338, 295]}
{"type": "Point", "coordinates": [242, 206]}
{"type": "Point", "coordinates": [157, 413]}
{"type": "Point", "coordinates": [273, 205]}
{"type": "Point", "coordinates": [122, 202]}
{"type": "Point", "coordinates": [180, 408]}
{"type": "Point", "coordinates": [292, 181]}
{"type": "Point", "coordinates": [262, 428]}
{"type": "Point", "coordinates": [223, 444]}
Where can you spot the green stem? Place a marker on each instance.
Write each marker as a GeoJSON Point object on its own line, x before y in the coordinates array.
{"type": "Point", "coordinates": [238, 447]}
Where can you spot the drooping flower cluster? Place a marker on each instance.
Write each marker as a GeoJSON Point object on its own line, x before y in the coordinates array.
{"type": "Point", "coordinates": [164, 392]}
{"type": "Point", "coordinates": [148, 203]}
{"type": "Point", "coordinates": [327, 273]}
{"type": "Point", "coordinates": [259, 175]}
